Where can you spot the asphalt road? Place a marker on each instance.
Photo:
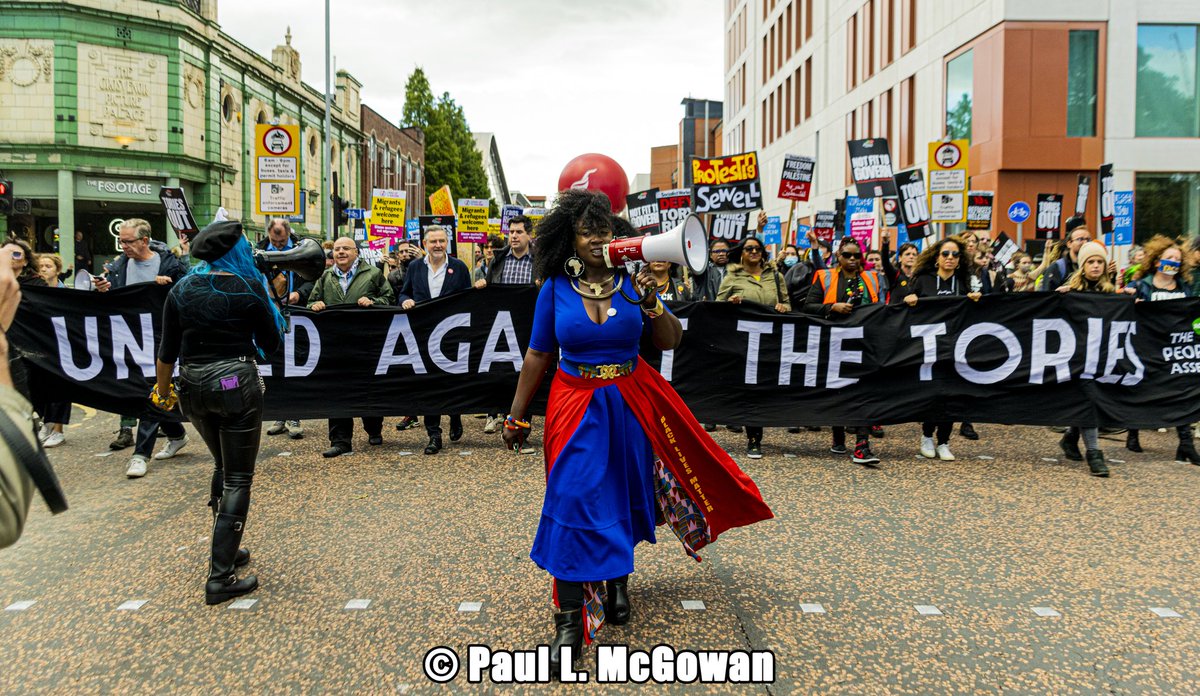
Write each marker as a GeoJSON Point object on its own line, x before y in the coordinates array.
{"type": "Point", "coordinates": [832, 585]}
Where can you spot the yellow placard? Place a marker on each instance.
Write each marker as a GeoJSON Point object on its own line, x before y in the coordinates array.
{"type": "Point", "coordinates": [388, 208]}
{"type": "Point", "coordinates": [276, 169]}
{"type": "Point", "coordinates": [441, 202]}
{"type": "Point", "coordinates": [472, 215]}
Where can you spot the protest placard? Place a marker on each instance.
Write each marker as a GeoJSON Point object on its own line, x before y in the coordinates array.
{"type": "Point", "coordinates": [179, 215]}
{"type": "Point", "coordinates": [1049, 215]}
{"type": "Point", "coordinates": [643, 211]}
{"type": "Point", "coordinates": [728, 227]}
{"type": "Point", "coordinates": [1108, 188]}
{"type": "Point", "coordinates": [979, 209]}
{"type": "Point", "coordinates": [824, 222]}
{"type": "Point", "coordinates": [472, 220]}
{"type": "Point", "coordinates": [724, 184]}
{"type": "Point", "coordinates": [914, 207]}
{"type": "Point", "coordinates": [673, 207]}
{"type": "Point", "coordinates": [388, 209]}
{"type": "Point", "coordinates": [795, 181]}
{"type": "Point", "coordinates": [441, 202]}
{"type": "Point", "coordinates": [1081, 194]}
{"type": "Point", "coordinates": [447, 223]}
{"type": "Point", "coordinates": [871, 167]}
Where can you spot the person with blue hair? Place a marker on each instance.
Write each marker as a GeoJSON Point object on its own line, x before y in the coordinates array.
{"type": "Point", "coordinates": [216, 321]}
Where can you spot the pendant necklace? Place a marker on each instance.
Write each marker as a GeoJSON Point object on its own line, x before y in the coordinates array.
{"type": "Point", "coordinates": [597, 289]}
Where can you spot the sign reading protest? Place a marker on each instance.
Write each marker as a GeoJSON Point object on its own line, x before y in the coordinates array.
{"type": "Point", "coordinates": [179, 215]}
{"type": "Point", "coordinates": [871, 167]}
{"type": "Point", "coordinates": [472, 220]}
{"type": "Point", "coordinates": [725, 184]}
{"type": "Point", "coordinates": [1081, 194]}
{"type": "Point", "coordinates": [1108, 188]}
{"type": "Point", "coordinates": [795, 182]}
{"type": "Point", "coordinates": [914, 207]}
{"type": "Point", "coordinates": [276, 169]}
{"type": "Point", "coordinates": [643, 211]}
{"type": "Point", "coordinates": [447, 223]}
{"type": "Point", "coordinates": [388, 208]}
{"type": "Point", "coordinates": [728, 227]}
{"type": "Point", "coordinates": [1021, 358]}
{"type": "Point", "coordinates": [824, 222]}
{"type": "Point", "coordinates": [441, 202]}
{"type": "Point", "coordinates": [979, 209]}
{"type": "Point", "coordinates": [673, 207]}
{"type": "Point", "coordinates": [948, 181]}
{"type": "Point", "coordinates": [1049, 215]}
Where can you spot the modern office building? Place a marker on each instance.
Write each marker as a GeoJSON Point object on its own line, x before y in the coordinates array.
{"type": "Point", "coordinates": [1044, 90]}
{"type": "Point", "coordinates": [102, 102]}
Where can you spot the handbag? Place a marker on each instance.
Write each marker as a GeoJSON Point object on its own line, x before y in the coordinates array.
{"type": "Point", "coordinates": [35, 462]}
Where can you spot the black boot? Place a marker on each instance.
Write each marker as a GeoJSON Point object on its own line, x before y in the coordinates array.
{"type": "Point", "coordinates": [1070, 445]}
{"type": "Point", "coordinates": [1132, 442]}
{"type": "Point", "coordinates": [223, 583]}
{"type": "Point", "coordinates": [1095, 460]}
{"type": "Point", "coordinates": [968, 431]}
{"type": "Point", "coordinates": [568, 625]}
{"type": "Point", "coordinates": [242, 557]}
{"type": "Point", "coordinates": [617, 611]}
{"type": "Point", "coordinates": [1186, 452]}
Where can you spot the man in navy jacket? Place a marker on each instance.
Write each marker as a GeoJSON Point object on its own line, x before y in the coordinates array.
{"type": "Point", "coordinates": [436, 275]}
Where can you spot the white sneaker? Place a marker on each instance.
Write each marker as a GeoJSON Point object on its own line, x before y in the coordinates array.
{"type": "Point", "coordinates": [927, 449]}
{"type": "Point", "coordinates": [490, 427]}
{"type": "Point", "coordinates": [55, 439]}
{"type": "Point", "coordinates": [44, 433]}
{"type": "Point", "coordinates": [944, 453]}
{"type": "Point", "coordinates": [171, 448]}
{"type": "Point", "coordinates": [137, 467]}
{"type": "Point", "coordinates": [294, 430]}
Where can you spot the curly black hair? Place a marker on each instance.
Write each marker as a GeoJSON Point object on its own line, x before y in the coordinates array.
{"type": "Point", "coordinates": [573, 209]}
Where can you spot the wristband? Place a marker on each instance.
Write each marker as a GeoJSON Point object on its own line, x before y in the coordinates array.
{"type": "Point", "coordinates": [512, 423]}
{"type": "Point", "coordinates": [657, 311]}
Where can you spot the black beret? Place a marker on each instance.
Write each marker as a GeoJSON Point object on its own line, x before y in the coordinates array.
{"type": "Point", "coordinates": [1074, 222]}
{"type": "Point", "coordinates": [216, 240]}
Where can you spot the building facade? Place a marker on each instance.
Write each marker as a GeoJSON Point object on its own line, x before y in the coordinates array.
{"type": "Point", "coordinates": [485, 143]}
{"type": "Point", "coordinates": [1044, 91]}
{"type": "Point", "coordinates": [394, 158]}
{"type": "Point", "coordinates": [102, 102]}
{"type": "Point", "coordinates": [700, 135]}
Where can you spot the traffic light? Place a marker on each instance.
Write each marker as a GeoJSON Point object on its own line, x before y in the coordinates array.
{"type": "Point", "coordinates": [6, 197]}
{"type": "Point", "coordinates": [339, 211]}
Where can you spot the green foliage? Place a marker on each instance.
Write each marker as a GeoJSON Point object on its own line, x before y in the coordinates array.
{"type": "Point", "coordinates": [450, 155]}
{"type": "Point", "coordinates": [958, 120]}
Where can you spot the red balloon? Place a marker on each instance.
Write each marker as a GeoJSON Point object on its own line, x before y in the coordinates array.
{"type": "Point", "coordinates": [597, 173]}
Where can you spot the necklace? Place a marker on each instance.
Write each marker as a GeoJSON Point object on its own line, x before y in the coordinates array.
{"type": "Point", "coordinates": [597, 289]}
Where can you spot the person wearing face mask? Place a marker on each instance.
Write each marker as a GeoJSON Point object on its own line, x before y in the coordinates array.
{"type": "Point", "coordinates": [1024, 276]}
{"type": "Point", "coordinates": [1164, 275]}
{"type": "Point", "coordinates": [1091, 276]}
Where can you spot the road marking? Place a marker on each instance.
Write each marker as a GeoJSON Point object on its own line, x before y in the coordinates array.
{"type": "Point", "coordinates": [464, 453]}
{"type": "Point", "coordinates": [405, 453]}
{"type": "Point", "coordinates": [106, 454]}
{"type": "Point", "coordinates": [1117, 461]}
{"type": "Point", "coordinates": [470, 606]}
{"type": "Point", "coordinates": [132, 605]}
{"type": "Point", "coordinates": [693, 605]}
{"type": "Point", "coordinates": [927, 610]}
{"type": "Point", "coordinates": [1046, 612]}
{"type": "Point", "coordinates": [812, 608]}
{"type": "Point", "coordinates": [358, 604]}
{"type": "Point", "coordinates": [986, 458]}
{"type": "Point", "coordinates": [789, 455]}
{"type": "Point", "coordinates": [284, 454]}
{"type": "Point", "coordinates": [1165, 613]}
{"type": "Point", "coordinates": [243, 603]}
{"type": "Point", "coordinates": [1049, 459]}
{"type": "Point", "coordinates": [21, 606]}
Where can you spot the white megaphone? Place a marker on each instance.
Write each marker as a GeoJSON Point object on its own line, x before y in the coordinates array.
{"type": "Point", "coordinates": [685, 245]}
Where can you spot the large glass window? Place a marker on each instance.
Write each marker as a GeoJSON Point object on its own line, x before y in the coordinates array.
{"type": "Point", "coordinates": [1166, 203]}
{"type": "Point", "coordinates": [1167, 104]}
{"type": "Point", "coordinates": [1081, 84]}
{"type": "Point", "coordinates": [960, 90]}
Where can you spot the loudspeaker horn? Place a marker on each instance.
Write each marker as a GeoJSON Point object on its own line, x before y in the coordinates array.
{"type": "Point", "coordinates": [306, 259]}
{"type": "Point", "coordinates": [685, 244]}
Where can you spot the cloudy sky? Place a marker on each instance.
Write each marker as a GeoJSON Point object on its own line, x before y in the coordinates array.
{"type": "Point", "coordinates": [551, 78]}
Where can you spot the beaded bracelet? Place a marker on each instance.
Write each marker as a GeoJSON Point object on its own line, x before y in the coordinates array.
{"type": "Point", "coordinates": [514, 424]}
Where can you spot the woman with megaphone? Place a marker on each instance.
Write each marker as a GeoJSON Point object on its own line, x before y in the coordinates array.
{"type": "Point", "coordinates": [621, 448]}
{"type": "Point", "coordinates": [216, 321]}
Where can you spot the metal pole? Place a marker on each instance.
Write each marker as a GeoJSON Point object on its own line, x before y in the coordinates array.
{"type": "Point", "coordinates": [326, 165]}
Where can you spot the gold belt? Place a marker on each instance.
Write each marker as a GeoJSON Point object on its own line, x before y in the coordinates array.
{"type": "Point", "coordinates": [604, 371]}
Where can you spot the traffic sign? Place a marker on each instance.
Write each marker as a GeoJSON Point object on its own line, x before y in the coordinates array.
{"type": "Point", "coordinates": [1018, 212]}
{"type": "Point", "coordinates": [356, 213]}
{"type": "Point", "coordinates": [276, 170]}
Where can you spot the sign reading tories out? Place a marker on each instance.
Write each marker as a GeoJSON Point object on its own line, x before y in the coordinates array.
{"type": "Point", "coordinates": [726, 184]}
{"type": "Point", "coordinates": [914, 208]}
{"type": "Point", "coordinates": [276, 169]}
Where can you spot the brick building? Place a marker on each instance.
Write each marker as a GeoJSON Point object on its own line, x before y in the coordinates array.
{"type": "Point", "coordinates": [394, 158]}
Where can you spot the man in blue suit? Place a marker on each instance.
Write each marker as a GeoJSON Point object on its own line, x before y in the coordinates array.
{"type": "Point", "coordinates": [436, 275]}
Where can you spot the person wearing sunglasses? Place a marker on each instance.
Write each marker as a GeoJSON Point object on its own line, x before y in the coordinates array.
{"type": "Point", "coordinates": [751, 277]}
{"type": "Point", "coordinates": [836, 294]}
{"type": "Point", "coordinates": [1164, 274]}
{"type": "Point", "coordinates": [940, 272]}
{"type": "Point", "coordinates": [24, 268]}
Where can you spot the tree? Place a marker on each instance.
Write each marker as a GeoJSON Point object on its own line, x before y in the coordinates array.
{"type": "Point", "coordinates": [450, 155]}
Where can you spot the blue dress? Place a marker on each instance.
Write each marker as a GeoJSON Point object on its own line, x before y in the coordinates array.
{"type": "Point", "coordinates": [600, 493]}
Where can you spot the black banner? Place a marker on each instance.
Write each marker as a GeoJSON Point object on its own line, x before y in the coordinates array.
{"type": "Point", "coordinates": [871, 167]}
{"type": "Point", "coordinates": [1025, 358]}
{"type": "Point", "coordinates": [643, 211]}
{"type": "Point", "coordinates": [914, 206]}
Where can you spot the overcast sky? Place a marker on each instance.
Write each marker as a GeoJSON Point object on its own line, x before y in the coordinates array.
{"type": "Point", "coordinates": [551, 78]}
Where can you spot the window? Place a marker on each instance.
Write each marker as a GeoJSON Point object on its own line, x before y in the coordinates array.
{"type": "Point", "coordinates": [852, 47]}
{"type": "Point", "coordinates": [1167, 104]}
{"type": "Point", "coordinates": [227, 108]}
{"type": "Point", "coordinates": [1081, 83]}
{"type": "Point", "coordinates": [908, 26]}
{"type": "Point", "coordinates": [808, 88]}
{"type": "Point", "coordinates": [960, 90]}
{"type": "Point", "coordinates": [1166, 203]}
